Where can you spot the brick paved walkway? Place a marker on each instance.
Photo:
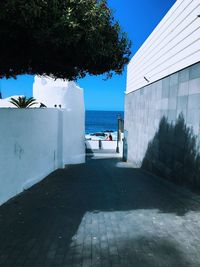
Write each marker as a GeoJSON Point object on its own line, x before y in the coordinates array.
{"type": "Point", "coordinates": [103, 213]}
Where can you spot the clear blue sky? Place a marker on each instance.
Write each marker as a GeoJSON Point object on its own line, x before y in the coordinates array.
{"type": "Point", "coordinates": [138, 18]}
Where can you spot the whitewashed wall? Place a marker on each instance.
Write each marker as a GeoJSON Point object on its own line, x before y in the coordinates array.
{"type": "Point", "coordinates": [70, 97]}
{"type": "Point", "coordinates": [5, 102]}
{"type": "Point", "coordinates": [74, 127]}
{"type": "Point", "coordinates": [173, 45]}
{"type": "Point", "coordinates": [35, 142]}
{"type": "Point", "coordinates": [29, 148]}
{"type": "Point", "coordinates": [53, 92]}
{"type": "Point", "coordinates": [90, 144]}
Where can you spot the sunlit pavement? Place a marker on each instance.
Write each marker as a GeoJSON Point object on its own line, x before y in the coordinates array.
{"type": "Point", "coordinates": [102, 213]}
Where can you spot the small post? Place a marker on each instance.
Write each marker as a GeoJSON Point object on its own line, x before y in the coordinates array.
{"type": "Point", "coordinates": [100, 144]}
{"type": "Point", "coordinates": [0, 92]}
{"type": "Point", "coordinates": [118, 121]}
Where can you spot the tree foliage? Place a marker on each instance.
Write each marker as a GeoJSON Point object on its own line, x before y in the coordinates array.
{"type": "Point", "coordinates": [23, 102]}
{"type": "Point", "coordinates": [60, 38]}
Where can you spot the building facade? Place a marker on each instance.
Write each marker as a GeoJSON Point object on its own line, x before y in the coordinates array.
{"type": "Point", "coordinates": [163, 90]}
{"type": "Point", "coordinates": [37, 141]}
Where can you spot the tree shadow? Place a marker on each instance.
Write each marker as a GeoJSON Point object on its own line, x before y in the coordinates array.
{"type": "Point", "coordinates": [174, 154]}
{"type": "Point", "coordinates": [37, 227]}
{"type": "Point", "coordinates": [154, 251]}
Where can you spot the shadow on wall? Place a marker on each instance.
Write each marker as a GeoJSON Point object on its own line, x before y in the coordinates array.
{"type": "Point", "coordinates": [174, 154]}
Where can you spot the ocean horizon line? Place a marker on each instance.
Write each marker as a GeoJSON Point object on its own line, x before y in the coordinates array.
{"type": "Point", "coordinates": [105, 110]}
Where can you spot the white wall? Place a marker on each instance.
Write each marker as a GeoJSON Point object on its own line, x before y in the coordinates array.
{"type": "Point", "coordinates": [35, 142]}
{"type": "Point", "coordinates": [5, 102]}
{"type": "Point", "coordinates": [109, 145]}
{"type": "Point", "coordinates": [91, 144]}
{"type": "Point", "coordinates": [74, 127]}
{"type": "Point", "coordinates": [28, 148]}
{"type": "Point", "coordinates": [53, 92]}
{"type": "Point", "coordinates": [67, 94]}
{"type": "Point", "coordinates": [173, 45]}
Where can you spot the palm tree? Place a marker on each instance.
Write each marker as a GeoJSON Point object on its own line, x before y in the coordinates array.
{"type": "Point", "coordinates": [23, 102]}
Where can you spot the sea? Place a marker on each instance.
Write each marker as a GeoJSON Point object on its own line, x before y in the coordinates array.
{"type": "Point", "coordinates": [101, 121]}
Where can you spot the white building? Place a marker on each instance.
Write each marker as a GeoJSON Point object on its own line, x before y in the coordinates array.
{"type": "Point", "coordinates": [164, 78]}
{"type": "Point", "coordinates": [5, 102]}
{"type": "Point", "coordinates": [37, 141]}
{"type": "Point", "coordinates": [172, 46]}
{"type": "Point", "coordinates": [59, 93]}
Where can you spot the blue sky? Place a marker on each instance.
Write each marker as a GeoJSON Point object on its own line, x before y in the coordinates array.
{"type": "Point", "coordinates": [138, 19]}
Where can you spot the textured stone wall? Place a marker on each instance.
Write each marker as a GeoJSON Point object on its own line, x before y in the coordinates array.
{"type": "Point", "coordinates": [144, 109]}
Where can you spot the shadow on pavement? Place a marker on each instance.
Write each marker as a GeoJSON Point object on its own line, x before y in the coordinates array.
{"type": "Point", "coordinates": [36, 227]}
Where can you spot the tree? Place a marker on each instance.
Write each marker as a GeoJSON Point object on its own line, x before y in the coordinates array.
{"type": "Point", "coordinates": [23, 102]}
{"type": "Point", "coordinates": [60, 38]}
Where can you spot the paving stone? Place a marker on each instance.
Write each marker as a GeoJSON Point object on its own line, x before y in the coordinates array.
{"type": "Point", "coordinates": [113, 217]}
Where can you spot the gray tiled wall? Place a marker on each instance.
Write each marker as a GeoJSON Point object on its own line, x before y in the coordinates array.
{"type": "Point", "coordinates": [144, 108]}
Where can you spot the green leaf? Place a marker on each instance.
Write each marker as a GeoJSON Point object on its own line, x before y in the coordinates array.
{"type": "Point", "coordinates": [60, 38]}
